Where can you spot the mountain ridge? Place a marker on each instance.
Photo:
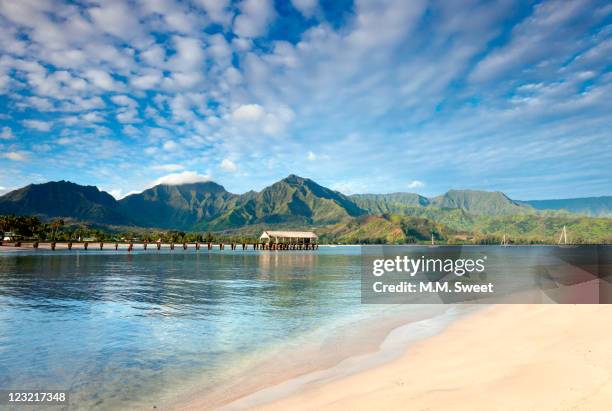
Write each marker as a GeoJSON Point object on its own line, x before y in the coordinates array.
{"type": "Point", "coordinates": [471, 201]}
{"type": "Point", "coordinates": [294, 200]}
{"type": "Point", "coordinates": [63, 199]}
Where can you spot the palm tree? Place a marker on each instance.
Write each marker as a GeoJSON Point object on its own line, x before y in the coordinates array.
{"type": "Point", "coordinates": [3, 225]}
{"type": "Point", "coordinates": [55, 224]}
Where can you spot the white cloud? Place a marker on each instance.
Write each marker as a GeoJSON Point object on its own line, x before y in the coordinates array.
{"type": "Point", "coordinates": [186, 177]}
{"type": "Point", "coordinates": [217, 10]}
{"type": "Point", "coordinates": [242, 44]}
{"type": "Point", "coordinates": [189, 54]}
{"type": "Point", "coordinates": [101, 79]}
{"type": "Point", "coordinates": [154, 55]}
{"type": "Point", "coordinates": [254, 117]}
{"type": "Point", "coordinates": [6, 133]}
{"type": "Point", "coordinates": [350, 187]}
{"type": "Point", "coordinates": [416, 184]}
{"type": "Point", "coordinates": [38, 125]}
{"type": "Point", "coordinates": [248, 112]}
{"type": "Point", "coordinates": [119, 194]}
{"type": "Point", "coordinates": [311, 156]}
{"type": "Point", "coordinates": [277, 121]}
{"type": "Point", "coordinates": [92, 117]}
{"type": "Point", "coordinates": [219, 48]}
{"type": "Point", "coordinates": [127, 115]}
{"type": "Point", "coordinates": [115, 193]}
{"type": "Point", "coordinates": [115, 18]}
{"type": "Point", "coordinates": [543, 36]}
{"type": "Point", "coordinates": [170, 145]}
{"type": "Point", "coordinates": [146, 81]}
{"type": "Point", "coordinates": [233, 76]}
{"type": "Point", "coordinates": [123, 100]}
{"type": "Point", "coordinates": [306, 7]}
{"type": "Point", "coordinates": [168, 167]}
{"type": "Point", "coordinates": [228, 165]}
{"type": "Point", "coordinates": [16, 155]}
{"type": "Point", "coordinates": [254, 18]}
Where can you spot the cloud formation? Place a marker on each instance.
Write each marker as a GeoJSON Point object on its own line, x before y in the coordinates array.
{"type": "Point", "coordinates": [228, 165]}
{"type": "Point", "coordinates": [185, 177]}
{"type": "Point", "coordinates": [415, 184]}
{"type": "Point", "coordinates": [498, 95]}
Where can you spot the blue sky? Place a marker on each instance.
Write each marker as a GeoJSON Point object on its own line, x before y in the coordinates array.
{"type": "Point", "coordinates": [363, 96]}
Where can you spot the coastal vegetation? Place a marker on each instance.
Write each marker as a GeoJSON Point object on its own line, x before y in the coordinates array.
{"type": "Point", "coordinates": [454, 227]}
{"type": "Point", "coordinates": [451, 228]}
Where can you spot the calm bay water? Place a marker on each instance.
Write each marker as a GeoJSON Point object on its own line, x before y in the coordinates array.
{"type": "Point", "coordinates": [134, 329]}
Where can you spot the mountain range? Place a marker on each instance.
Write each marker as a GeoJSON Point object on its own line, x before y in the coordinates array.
{"type": "Point", "coordinates": [475, 202]}
{"type": "Point", "coordinates": [292, 201]}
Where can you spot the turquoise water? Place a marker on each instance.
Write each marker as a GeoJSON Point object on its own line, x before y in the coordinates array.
{"type": "Point", "coordinates": [139, 329]}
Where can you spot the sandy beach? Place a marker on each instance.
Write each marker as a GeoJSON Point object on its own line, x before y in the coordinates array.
{"type": "Point", "coordinates": [505, 357]}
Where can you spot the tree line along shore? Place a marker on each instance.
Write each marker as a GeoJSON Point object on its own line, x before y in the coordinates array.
{"type": "Point", "coordinates": [383, 229]}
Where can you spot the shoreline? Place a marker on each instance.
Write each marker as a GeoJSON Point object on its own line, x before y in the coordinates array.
{"type": "Point", "coordinates": [373, 344]}
{"type": "Point", "coordinates": [533, 366]}
{"type": "Point", "coordinates": [109, 246]}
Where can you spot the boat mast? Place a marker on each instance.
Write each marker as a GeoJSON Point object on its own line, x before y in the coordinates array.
{"type": "Point", "coordinates": [563, 237]}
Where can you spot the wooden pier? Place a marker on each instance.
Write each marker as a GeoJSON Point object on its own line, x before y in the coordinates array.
{"type": "Point", "coordinates": [156, 246]}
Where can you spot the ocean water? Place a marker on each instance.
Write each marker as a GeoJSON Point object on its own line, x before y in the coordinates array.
{"type": "Point", "coordinates": [135, 330]}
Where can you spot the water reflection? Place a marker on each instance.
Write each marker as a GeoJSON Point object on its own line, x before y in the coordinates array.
{"type": "Point", "coordinates": [116, 327]}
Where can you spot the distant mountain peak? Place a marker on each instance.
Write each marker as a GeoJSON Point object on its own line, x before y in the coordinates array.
{"type": "Point", "coordinates": [479, 202]}
{"type": "Point", "coordinates": [63, 199]}
{"type": "Point", "coordinates": [295, 179]}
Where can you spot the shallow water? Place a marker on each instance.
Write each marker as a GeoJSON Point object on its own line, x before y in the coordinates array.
{"type": "Point", "coordinates": [118, 329]}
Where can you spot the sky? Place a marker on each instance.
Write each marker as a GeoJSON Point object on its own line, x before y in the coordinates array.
{"type": "Point", "coordinates": [360, 96]}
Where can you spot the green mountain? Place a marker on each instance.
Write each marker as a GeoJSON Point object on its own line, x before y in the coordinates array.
{"type": "Point", "coordinates": [178, 206]}
{"type": "Point", "coordinates": [479, 202]}
{"type": "Point", "coordinates": [591, 206]}
{"type": "Point", "coordinates": [208, 206]}
{"type": "Point", "coordinates": [389, 203]}
{"type": "Point", "coordinates": [63, 199]}
{"type": "Point", "coordinates": [293, 200]}
{"type": "Point", "coordinates": [470, 201]}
